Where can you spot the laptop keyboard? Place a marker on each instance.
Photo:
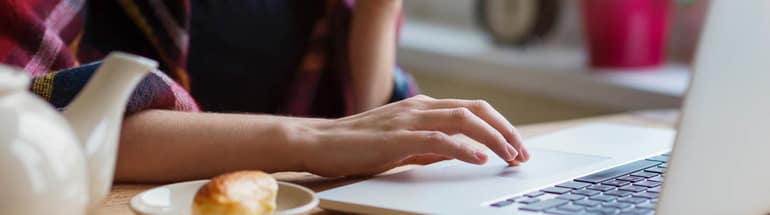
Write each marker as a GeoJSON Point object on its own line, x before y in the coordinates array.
{"type": "Point", "coordinates": [632, 188]}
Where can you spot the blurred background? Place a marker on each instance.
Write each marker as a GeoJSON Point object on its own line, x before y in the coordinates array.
{"type": "Point", "coordinates": [546, 60]}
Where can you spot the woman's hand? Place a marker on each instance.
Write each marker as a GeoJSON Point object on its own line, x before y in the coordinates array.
{"type": "Point", "coordinates": [165, 146]}
{"type": "Point", "coordinates": [415, 130]}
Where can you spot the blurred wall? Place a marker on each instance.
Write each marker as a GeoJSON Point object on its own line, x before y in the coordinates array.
{"type": "Point", "coordinates": [518, 107]}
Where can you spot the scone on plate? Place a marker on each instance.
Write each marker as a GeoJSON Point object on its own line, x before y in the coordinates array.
{"type": "Point", "coordinates": [237, 193]}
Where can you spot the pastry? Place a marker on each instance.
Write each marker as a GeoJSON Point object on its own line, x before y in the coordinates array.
{"type": "Point", "coordinates": [237, 193]}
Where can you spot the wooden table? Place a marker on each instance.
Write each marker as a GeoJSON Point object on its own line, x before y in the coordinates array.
{"type": "Point", "coordinates": [117, 202]}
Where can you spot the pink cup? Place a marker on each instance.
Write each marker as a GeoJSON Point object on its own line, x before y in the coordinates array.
{"type": "Point", "coordinates": [626, 33]}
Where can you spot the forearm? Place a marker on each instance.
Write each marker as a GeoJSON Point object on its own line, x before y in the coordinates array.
{"type": "Point", "coordinates": [372, 51]}
{"type": "Point", "coordinates": [162, 146]}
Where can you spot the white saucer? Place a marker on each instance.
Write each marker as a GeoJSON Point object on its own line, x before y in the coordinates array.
{"type": "Point", "coordinates": [177, 199]}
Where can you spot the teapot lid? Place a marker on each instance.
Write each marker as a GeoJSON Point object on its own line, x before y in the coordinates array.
{"type": "Point", "coordinates": [12, 79]}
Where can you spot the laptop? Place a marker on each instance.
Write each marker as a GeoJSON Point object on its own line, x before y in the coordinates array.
{"type": "Point", "coordinates": [719, 164]}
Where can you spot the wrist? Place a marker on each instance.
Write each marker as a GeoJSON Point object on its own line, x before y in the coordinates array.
{"type": "Point", "coordinates": [302, 137]}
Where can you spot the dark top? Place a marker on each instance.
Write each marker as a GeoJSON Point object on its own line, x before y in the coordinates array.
{"type": "Point", "coordinates": [243, 53]}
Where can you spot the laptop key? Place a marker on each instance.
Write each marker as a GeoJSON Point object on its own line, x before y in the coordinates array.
{"type": "Point", "coordinates": [630, 178]}
{"type": "Point", "coordinates": [656, 179]}
{"type": "Point", "coordinates": [557, 211]}
{"type": "Point", "coordinates": [528, 200]}
{"type": "Point", "coordinates": [633, 188]}
{"type": "Point", "coordinates": [600, 187]}
{"type": "Point", "coordinates": [618, 193]}
{"type": "Point", "coordinates": [603, 198]}
{"type": "Point", "coordinates": [617, 183]}
{"type": "Point", "coordinates": [664, 165]}
{"type": "Point", "coordinates": [534, 194]}
{"type": "Point", "coordinates": [587, 203]}
{"type": "Point", "coordinates": [602, 210]}
{"type": "Point", "coordinates": [586, 192]}
{"type": "Point", "coordinates": [626, 211]}
{"type": "Point", "coordinates": [571, 197]}
{"type": "Point", "coordinates": [632, 200]}
{"type": "Point", "coordinates": [574, 208]}
{"type": "Point", "coordinates": [659, 158]}
{"type": "Point", "coordinates": [638, 211]}
{"type": "Point", "coordinates": [573, 185]}
{"type": "Point", "coordinates": [647, 205]}
{"type": "Point", "coordinates": [617, 171]}
{"type": "Point", "coordinates": [545, 204]}
{"type": "Point", "coordinates": [556, 190]}
{"type": "Point", "coordinates": [645, 174]}
{"type": "Point", "coordinates": [654, 190]}
{"type": "Point", "coordinates": [502, 203]}
{"type": "Point", "coordinates": [655, 170]}
{"type": "Point", "coordinates": [618, 205]}
{"type": "Point", "coordinates": [647, 184]}
{"type": "Point", "coordinates": [646, 195]}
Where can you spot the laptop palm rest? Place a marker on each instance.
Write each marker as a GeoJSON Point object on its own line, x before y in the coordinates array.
{"type": "Point", "coordinates": [462, 183]}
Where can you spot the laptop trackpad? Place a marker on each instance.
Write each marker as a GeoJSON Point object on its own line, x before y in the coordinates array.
{"type": "Point", "coordinates": [544, 163]}
{"type": "Point", "coordinates": [547, 163]}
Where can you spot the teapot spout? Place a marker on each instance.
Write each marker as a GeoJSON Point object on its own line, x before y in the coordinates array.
{"type": "Point", "coordinates": [96, 114]}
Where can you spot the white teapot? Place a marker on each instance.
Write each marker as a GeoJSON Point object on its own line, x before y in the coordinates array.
{"type": "Point", "coordinates": [54, 164]}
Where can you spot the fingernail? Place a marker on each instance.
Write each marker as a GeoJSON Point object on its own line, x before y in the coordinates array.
{"type": "Point", "coordinates": [526, 154]}
{"type": "Point", "coordinates": [511, 153]}
{"type": "Point", "coordinates": [513, 163]}
{"type": "Point", "coordinates": [480, 156]}
{"type": "Point", "coordinates": [522, 157]}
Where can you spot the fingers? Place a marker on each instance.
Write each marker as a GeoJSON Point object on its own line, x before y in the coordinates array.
{"type": "Point", "coordinates": [461, 120]}
{"type": "Point", "coordinates": [484, 111]}
{"type": "Point", "coordinates": [423, 142]}
{"type": "Point", "coordinates": [424, 159]}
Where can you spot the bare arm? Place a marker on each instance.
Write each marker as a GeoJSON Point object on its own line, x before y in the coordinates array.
{"type": "Point", "coordinates": [372, 51]}
{"type": "Point", "coordinates": [162, 146]}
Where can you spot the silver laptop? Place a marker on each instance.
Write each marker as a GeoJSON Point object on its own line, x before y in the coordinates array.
{"type": "Point", "coordinates": [720, 163]}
